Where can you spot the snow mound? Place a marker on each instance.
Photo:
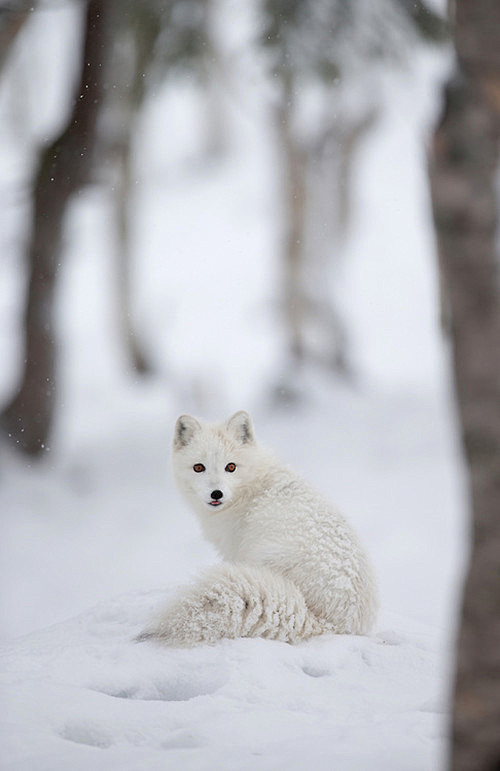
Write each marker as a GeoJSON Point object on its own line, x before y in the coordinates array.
{"type": "Point", "coordinates": [83, 694]}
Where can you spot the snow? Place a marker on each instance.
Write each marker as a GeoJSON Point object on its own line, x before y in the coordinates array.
{"type": "Point", "coordinates": [94, 536]}
{"type": "Point", "coordinates": [83, 694]}
{"type": "Point", "coordinates": [89, 696]}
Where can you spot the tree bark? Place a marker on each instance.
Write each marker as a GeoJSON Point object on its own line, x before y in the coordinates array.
{"type": "Point", "coordinates": [463, 180]}
{"type": "Point", "coordinates": [63, 169]}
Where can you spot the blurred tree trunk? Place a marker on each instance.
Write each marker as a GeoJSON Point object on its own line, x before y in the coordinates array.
{"type": "Point", "coordinates": [351, 135]}
{"type": "Point", "coordinates": [64, 167]}
{"type": "Point", "coordinates": [464, 178]}
{"type": "Point", "coordinates": [212, 74]}
{"type": "Point", "coordinates": [330, 161]}
{"type": "Point", "coordinates": [294, 170]}
{"type": "Point", "coordinates": [12, 21]}
{"type": "Point", "coordinates": [137, 32]}
{"type": "Point", "coordinates": [122, 200]}
{"type": "Point", "coordinates": [314, 328]}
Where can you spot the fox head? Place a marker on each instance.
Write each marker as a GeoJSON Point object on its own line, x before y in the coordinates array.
{"type": "Point", "coordinates": [213, 462]}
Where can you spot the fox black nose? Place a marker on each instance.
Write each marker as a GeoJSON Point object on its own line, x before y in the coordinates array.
{"type": "Point", "coordinates": [216, 494]}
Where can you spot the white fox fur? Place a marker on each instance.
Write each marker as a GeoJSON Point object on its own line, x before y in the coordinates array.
{"type": "Point", "coordinates": [293, 566]}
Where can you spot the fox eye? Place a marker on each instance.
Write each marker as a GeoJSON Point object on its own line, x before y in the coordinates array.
{"type": "Point", "coordinates": [198, 467]}
{"type": "Point", "coordinates": [231, 467]}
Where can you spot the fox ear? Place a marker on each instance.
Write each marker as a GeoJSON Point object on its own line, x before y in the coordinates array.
{"type": "Point", "coordinates": [185, 428]}
{"type": "Point", "coordinates": [241, 427]}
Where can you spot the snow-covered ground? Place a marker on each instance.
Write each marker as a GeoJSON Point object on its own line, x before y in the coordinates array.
{"type": "Point", "coordinates": [83, 695]}
{"type": "Point", "coordinates": [95, 532]}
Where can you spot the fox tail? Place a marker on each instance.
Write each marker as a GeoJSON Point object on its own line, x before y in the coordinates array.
{"type": "Point", "coordinates": [233, 600]}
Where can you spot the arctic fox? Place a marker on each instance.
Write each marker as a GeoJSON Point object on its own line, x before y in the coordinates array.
{"type": "Point", "coordinates": [293, 566]}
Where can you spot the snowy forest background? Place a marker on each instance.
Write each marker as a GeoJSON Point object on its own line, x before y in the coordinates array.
{"type": "Point", "coordinates": [248, 225]}
{"type": "Point", "coordinates": [235, 246]}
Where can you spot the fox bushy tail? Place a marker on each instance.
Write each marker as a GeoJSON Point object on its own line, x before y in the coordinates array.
{"type": "Point", "coordinates": [235, 600]}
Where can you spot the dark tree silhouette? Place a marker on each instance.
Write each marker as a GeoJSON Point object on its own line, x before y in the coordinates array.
{"type": "Point", "coordinates": [464, 168]}
{"type": "Point", "coordinates": [64, 167]}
